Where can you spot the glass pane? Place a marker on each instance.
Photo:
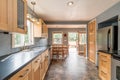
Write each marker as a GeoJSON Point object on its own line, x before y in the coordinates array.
{"type": "Point", "coordinates": [57, 41]}
{"type": "Point", "coordinates": [82, 38]}
{"type": "Point", "coordinates": [57, 35]}
{"type": "Point", "coordinates": [29, 36]}
{"type": "Point", "coordinates": [20, 14]}
{"type": "Point", "coordinates": [17, 39]}
{"type": "Point", "coordinates": [28, 31]}
{"type": "Point", "coordinates": [57, 38]}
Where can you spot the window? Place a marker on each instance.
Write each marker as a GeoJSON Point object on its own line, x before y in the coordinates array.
{"type": "Point", "coordinates": [19, 40]}
{"type": "Point", "coordinates": [57, 37]}
{"type": "Point", "coordinates": [82, 38]}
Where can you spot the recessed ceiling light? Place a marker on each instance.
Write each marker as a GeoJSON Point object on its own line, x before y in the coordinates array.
{"type": "Point", "coordinates": [70, 3]}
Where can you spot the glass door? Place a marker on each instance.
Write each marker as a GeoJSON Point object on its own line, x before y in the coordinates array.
{"type": "Point", "coordinates": [82, 42]}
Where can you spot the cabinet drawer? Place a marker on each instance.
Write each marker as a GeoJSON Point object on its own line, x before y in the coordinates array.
{"type": "Point", "coordinates": [22, 74]}
{"type": "Point", "coordinates": [36, 63]}
{"type": "Point", "coordinates": [105, 56]}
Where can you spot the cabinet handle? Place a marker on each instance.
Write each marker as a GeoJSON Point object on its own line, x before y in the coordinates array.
{"type": "Point", "coordinates": [37, 61]}
{"type": "Point", "coordinates": [26, 72]}
{"type": "Point", "coordinates": [104, 60]}
{"type": "Point", "coordinates": [103, 72]}
{"type": "Point", "coordinates": [46, 56]}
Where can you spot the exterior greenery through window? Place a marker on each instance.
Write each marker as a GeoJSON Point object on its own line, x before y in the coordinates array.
{"type": "Point", "coordinates": [82, 38]}
{"type": "Point", "coordinates": [57, 37]}
{"type": "Point", "coordinates": [24, 39]}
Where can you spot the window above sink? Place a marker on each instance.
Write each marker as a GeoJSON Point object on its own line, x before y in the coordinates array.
{"type": "Point", "coordinates": [19, 40]}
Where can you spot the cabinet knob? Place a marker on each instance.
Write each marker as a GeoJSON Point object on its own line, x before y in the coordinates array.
{"type": "Point", "coordinates": [26, 72]}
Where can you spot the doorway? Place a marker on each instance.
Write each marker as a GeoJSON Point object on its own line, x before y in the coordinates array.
{"type": "Point", "coordinates": [73, 41]}
{"type": "Point", "coordinates": [82, 43]}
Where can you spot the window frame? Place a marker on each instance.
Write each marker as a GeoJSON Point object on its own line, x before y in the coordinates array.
{"type": "Point", "coordinates": [54, 33]}
{"type": "Point", "coordinates": [23, 37]}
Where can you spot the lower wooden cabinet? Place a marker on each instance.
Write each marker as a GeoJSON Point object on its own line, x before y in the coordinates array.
{"type": "Point", "coordinates": [42, 66]}
{"type": "Point", "coordinates": [24, 74]}
{"type": "Point", "coordinates": [35, 70]}
{"type": "Point", "coordinates": [104, 66]}
{"type": "Point", "coordinates": [46, 60]}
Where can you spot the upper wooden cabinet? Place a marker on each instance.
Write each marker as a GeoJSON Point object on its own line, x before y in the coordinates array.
{"type": "Point", "coordinates": [19, 16]}
{"type": "Point", "coordinates": [40, 30]}
{"type": "Point", "coordinates": [37, 29]}
{"type": "Point", "coordinates": [13, 16]}
{"type": "Point", "coordinates": [92, 40]}
{"type": "Point", "coordinates": [5, 15]}
{"type": "Point", "coordinates": [44, 29]}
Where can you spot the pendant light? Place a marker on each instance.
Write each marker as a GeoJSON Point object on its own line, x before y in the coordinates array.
{"type": "Point", "coordinates": [33, 3]}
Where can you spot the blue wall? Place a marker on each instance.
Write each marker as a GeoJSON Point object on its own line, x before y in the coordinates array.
{"type": "Point", "coordinates": [6, 44]}
{"type": "Point", "coordinates": [65, 31]}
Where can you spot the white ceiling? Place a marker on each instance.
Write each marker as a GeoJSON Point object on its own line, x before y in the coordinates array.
{"type": "Point", "coordinates": [82, 10]}
{"type": "Point", "coordinates": [67, 26]}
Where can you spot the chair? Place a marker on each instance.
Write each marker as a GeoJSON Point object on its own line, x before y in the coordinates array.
{"type": "Point", "coordinates": [60, 51]}
{"type": "Point", "coordinates": [55, 51]}
{"type": "Point", "coordinates": [65, 50]}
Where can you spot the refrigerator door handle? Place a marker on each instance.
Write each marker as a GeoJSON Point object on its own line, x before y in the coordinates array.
{"type": "Point", "coordinates": [109, 39]}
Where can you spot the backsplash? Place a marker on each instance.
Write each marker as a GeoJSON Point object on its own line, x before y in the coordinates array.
{"type": "Point", "coordinates": [6, 44]}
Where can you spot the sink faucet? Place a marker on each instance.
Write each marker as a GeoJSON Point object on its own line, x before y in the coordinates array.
{"type": "Point", "coordinates": [24, 47]}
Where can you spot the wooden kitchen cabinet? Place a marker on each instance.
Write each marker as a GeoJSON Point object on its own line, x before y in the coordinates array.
{"type": "Point", "coordinates": [40, 30]}
{"type": "Point", "coordinates": [24, 74]}
{"type": "Point", "coordinates": [5, 15]}
{"type": "Point", "coordinates": [37, 29]}
{"type": "Point", "coordinates": [92, 41]}
{"type": "Point", "coordinates": [20, 16]}
{"type": "Point", "coordinates": [13, 16]}
{"type": "Point", "coordinates": [44, 29]}
{"type": "Point", "coordinates": [46, 60]}
{"type": "Point", "coordinates": [43, 66]}
{"type": "Point", "coordinates": [36, 68]}
{"type": "Point", "coordinates": [104, 66]}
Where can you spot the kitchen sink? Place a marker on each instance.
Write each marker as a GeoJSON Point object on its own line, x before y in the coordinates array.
{"type": "Point", "coordinates": [4, 58]}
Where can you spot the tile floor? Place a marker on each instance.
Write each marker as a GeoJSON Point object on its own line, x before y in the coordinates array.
{"type": "Point", "coordinates": [74, 67]}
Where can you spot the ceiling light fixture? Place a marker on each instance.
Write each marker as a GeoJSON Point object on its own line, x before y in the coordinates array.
{"type": "Point", "coordinates": [33, 3]}
{"type": "Point", "coordinates": [70, 3]}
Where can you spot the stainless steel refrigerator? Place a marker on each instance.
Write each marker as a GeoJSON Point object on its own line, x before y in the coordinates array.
{"type": "Point", "coordinates": [107, 38]}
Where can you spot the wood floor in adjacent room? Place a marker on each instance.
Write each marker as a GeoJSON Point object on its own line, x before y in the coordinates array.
{"type": "Point", "coordinates": [74, 67]}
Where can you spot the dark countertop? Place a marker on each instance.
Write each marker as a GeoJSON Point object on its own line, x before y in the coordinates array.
{"type": "Point", "coordinates": [106, 51]}
{"type": "Point", "coordinates": [17, 61]}
{"type": "Point", "coordinates": [115, 54]}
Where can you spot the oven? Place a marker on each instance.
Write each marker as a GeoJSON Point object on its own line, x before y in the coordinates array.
{"type": "Point", "coordinates": [115, 69]}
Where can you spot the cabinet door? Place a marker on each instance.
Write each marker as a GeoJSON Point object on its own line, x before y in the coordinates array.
{"type": "Point", "coordinates": [5, 15]}
{"type": "Point", "coordinates": [24, 74]}
{"type": "Point", "coordinates": [104, 66]}
{"type": "Point", "coordinates": [46, 60]}
{"type": "Point", "coordinates": [19, 16]}
{"type": "Point", "coordinates": [43, 66]}
{"type": "Point", "coordinates": [37, 30]}
{"type": "Point", "coordinates": [44, 30]}
{"type": "Point", "coordinates": [36, 69]}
